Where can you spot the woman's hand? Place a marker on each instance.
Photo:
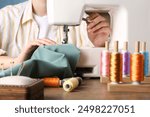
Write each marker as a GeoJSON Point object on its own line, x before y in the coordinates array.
{"type": "Point", "coordinates": [31, 47]}
{"type": "Point", "coordinates": [98, 29]}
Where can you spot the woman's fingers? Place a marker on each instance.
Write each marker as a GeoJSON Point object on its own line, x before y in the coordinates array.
{"type": "Point", "coordinates": [96, 21]}
{"type": "Point", "coordinates": [99, 26]}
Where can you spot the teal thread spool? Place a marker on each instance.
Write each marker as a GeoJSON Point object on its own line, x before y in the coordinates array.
{"type": "Point", "coordinates": [146, 59]}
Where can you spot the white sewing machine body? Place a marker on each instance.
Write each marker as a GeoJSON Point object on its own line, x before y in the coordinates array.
{"type": "Point", "coordinates": [89, 62]}
{"type": "Point", "coordinates": [130, 20]}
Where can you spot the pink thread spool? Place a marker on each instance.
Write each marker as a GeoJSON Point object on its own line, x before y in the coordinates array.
{"type": "Point", "coordinates": [105, 61]}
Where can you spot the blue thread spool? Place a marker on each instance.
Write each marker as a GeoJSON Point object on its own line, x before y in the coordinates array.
{"type": "Point", "coordinates": [146, 59]}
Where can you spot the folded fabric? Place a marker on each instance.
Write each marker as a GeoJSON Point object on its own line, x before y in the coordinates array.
{"type": "Point", "coordinates": [48, 61]}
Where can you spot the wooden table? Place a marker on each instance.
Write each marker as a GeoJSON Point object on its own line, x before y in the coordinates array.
{"type": "Point", "coordinates": [92, 89]}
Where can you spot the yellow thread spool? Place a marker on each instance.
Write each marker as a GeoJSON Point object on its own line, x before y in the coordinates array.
{"type": "Point", "coordinates": [70, 84]}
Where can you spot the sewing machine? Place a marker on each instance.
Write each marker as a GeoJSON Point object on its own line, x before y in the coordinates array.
{"type": "Point", "coordinates": [129, 19]}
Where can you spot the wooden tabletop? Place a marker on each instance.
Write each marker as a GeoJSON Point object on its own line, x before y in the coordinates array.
{"type": "Point", "coordinates": [92, 89]}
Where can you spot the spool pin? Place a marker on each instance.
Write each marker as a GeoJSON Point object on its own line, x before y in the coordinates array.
{"type": "Point", "coordinates": [107, 45]}
{"type": "Point", "coordinates": [116, 46]}
{"type": "Point", "coordinates": [143, 46]}
{"type": "Point", "coordinates": [125, 47]}
{"type": "Point", "coordinates": [137, 47]}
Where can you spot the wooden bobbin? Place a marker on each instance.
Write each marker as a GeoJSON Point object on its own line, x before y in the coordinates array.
{"type": "Point", "coordinates": [107, 45]}
{"type": "Point", "coordinates": [143, 46]}
{"type": "Point", "coordinates": [116, 46]}
{"type": "Point", "coordinates": [137, 47]}
{"type": "Point", "coordinates": [125, 47]}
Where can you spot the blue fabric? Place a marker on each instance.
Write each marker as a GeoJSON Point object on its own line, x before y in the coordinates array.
{"type": "Point", "coordinates": [49, 61]}
{"type": "Point", "coordinates": [4, 3]}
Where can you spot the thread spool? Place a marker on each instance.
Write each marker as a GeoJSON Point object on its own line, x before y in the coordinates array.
{"type": "Point", "coordinates": [105, 61]}
{"type": "Point", "coordinates": [78, 78]}
{"type": "Point", "coordinates": [52, 82]}
{"type": "Point", "coordinates": [72, 83]}
{"type": "Point", "coordinates": [146, 59]}
{"type": "Point", "coordinates": [137, 65]}
{"type": "Point", "coordinates": [126, 60]}
{"type": "Point", "coordinates": [115, 65]}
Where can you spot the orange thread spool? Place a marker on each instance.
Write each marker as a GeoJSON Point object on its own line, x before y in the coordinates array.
{"type": "Point", "coordinates": [116, 65]}
{"type": "Point", "coordinates": [137, 65]}
{"type": "Point", "coordinates": [52, 82]}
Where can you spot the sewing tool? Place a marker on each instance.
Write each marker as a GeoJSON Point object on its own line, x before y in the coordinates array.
{"type": "Point", "coordinates": [105, 61]}
{"type": "Point", "coordinates": [146, 59]}
{"type": "Point", "coordinates": [52, 82]}
{"type": "Point", "coordinates": [126, 60]}
{"type": "Point", "coordinates": [137, 65]}
{"type": "Point", "coordinates": [72, 83]}
{"type": "Point", "coordinates": [116, 65]}
{"type": "Point", "coordinates": [11, 67]}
